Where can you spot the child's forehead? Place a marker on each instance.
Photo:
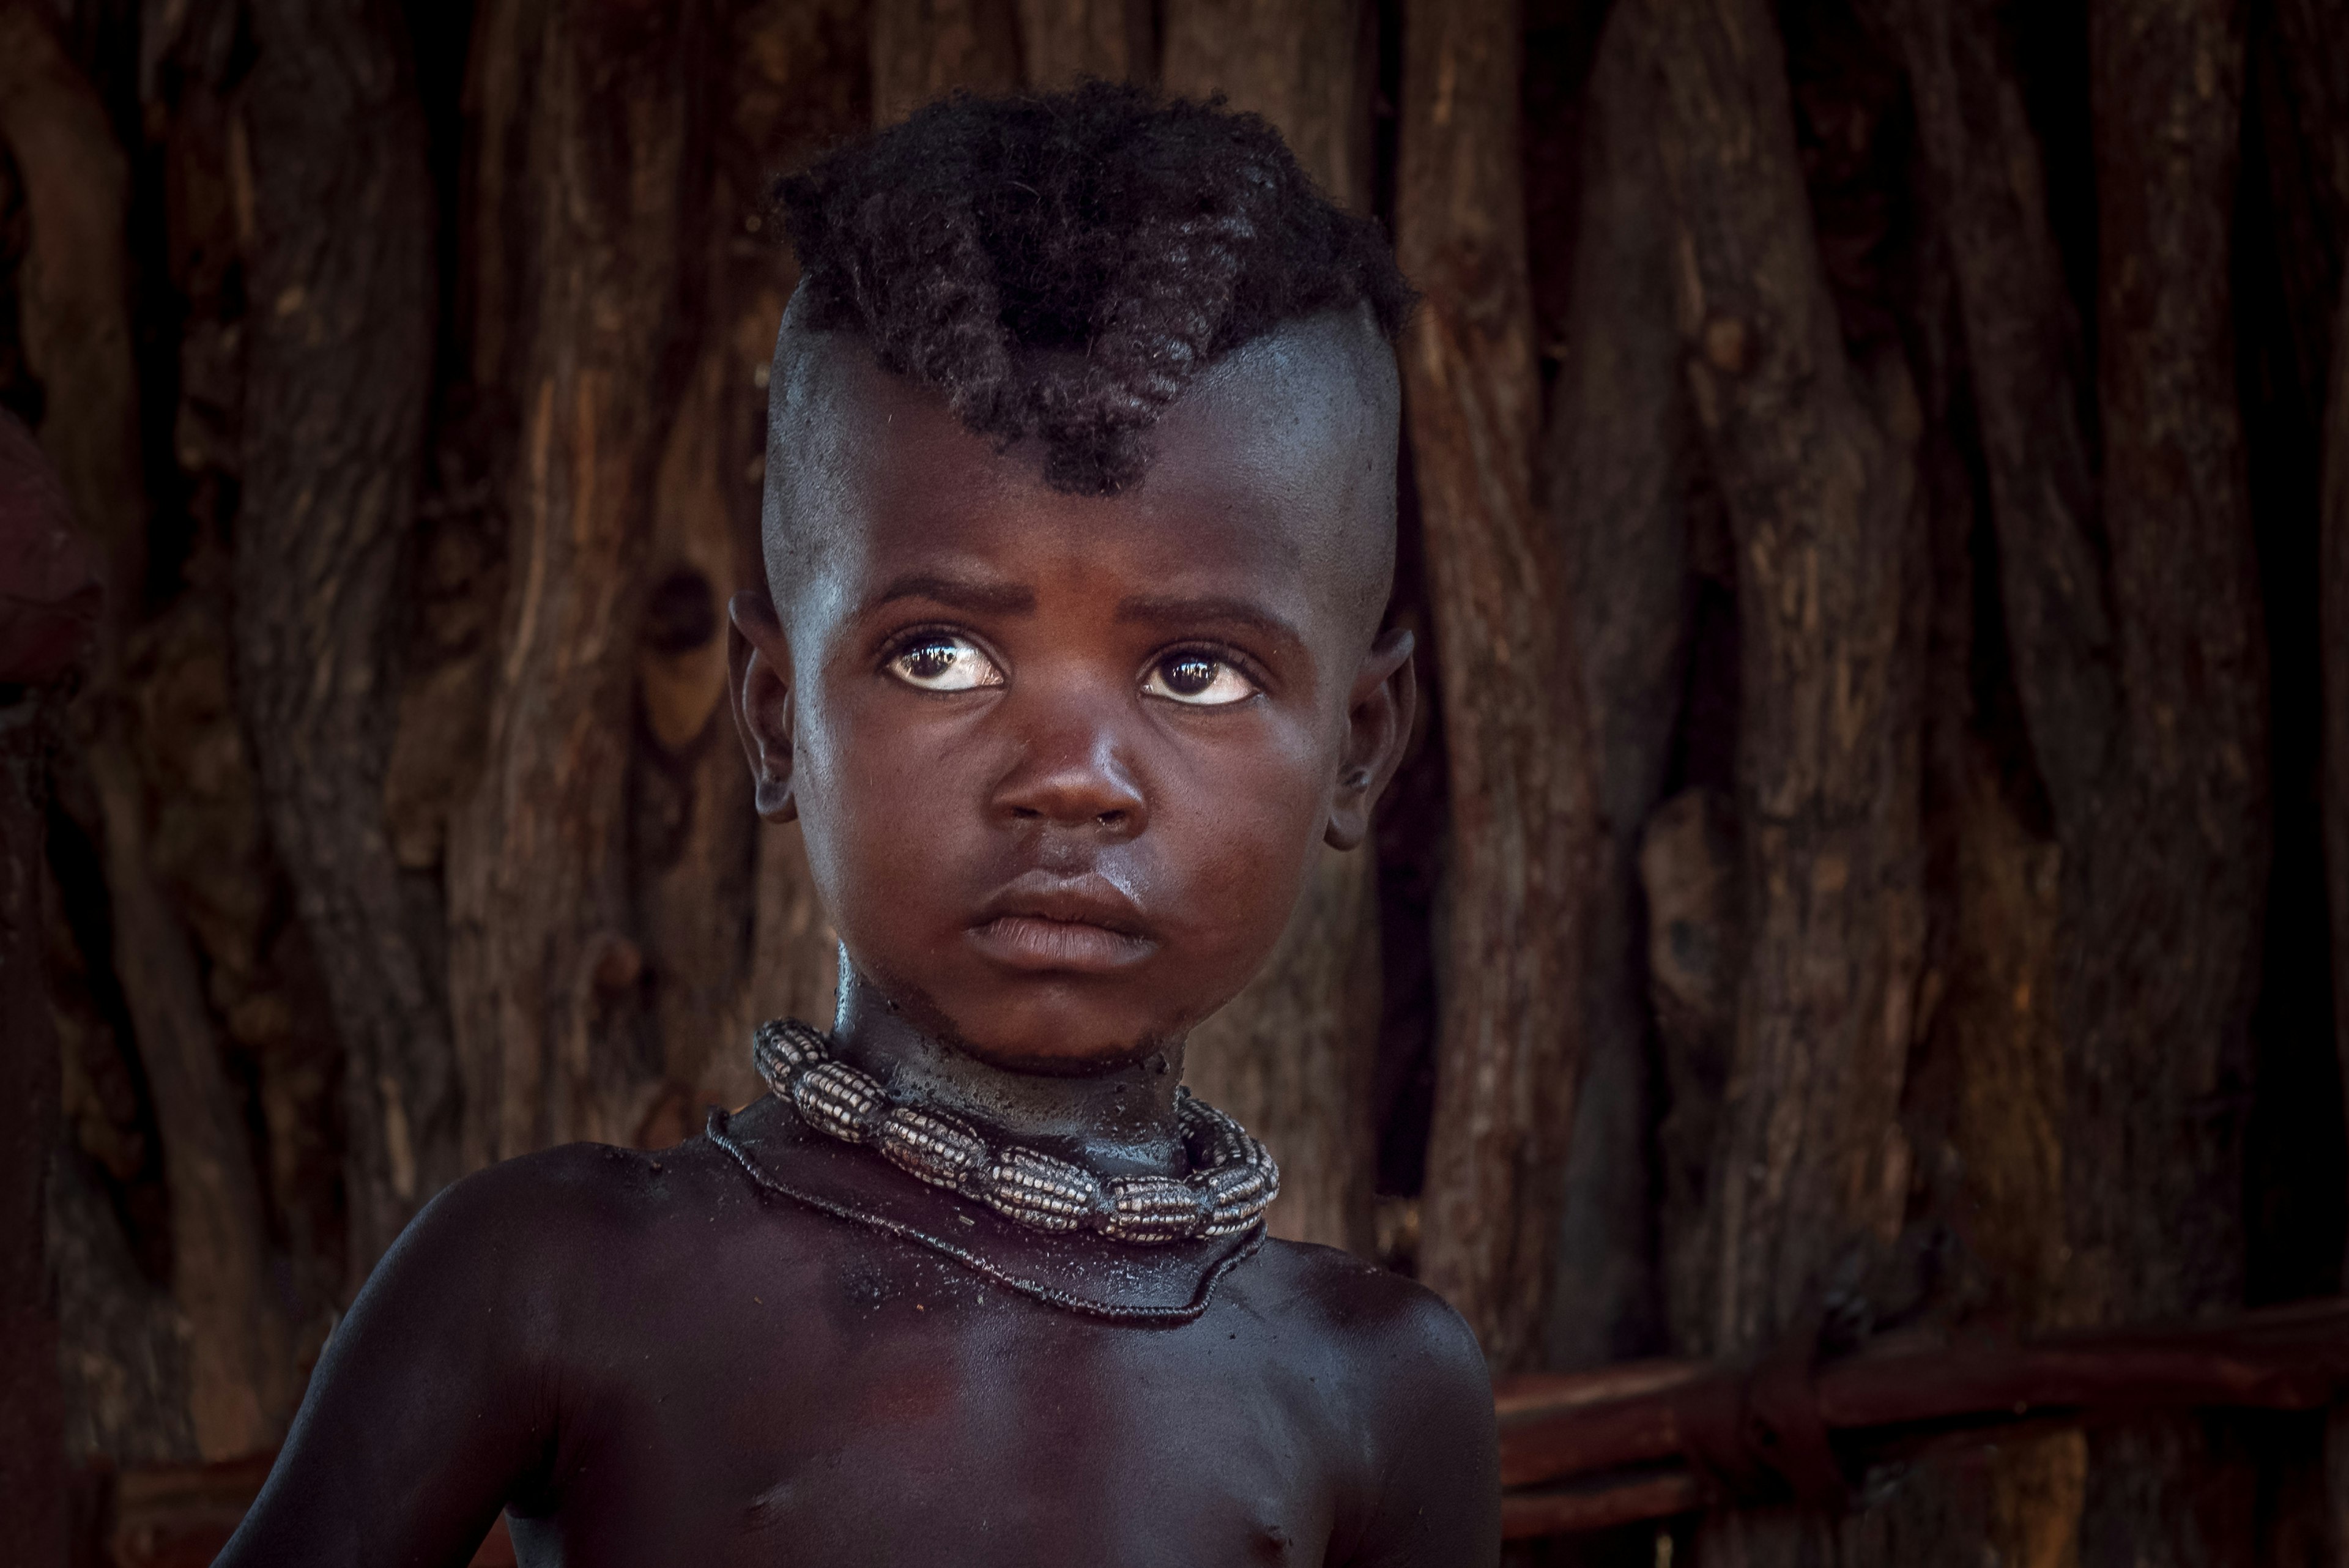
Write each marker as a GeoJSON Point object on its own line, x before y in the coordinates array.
{"type": "Point", "coordinates": [1284, 449]}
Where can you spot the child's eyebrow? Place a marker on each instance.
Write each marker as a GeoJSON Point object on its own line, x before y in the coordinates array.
{"type": "Point", "coordinates": [1191, 609]}
{"type": "Point", "coordinates": [960, 593]}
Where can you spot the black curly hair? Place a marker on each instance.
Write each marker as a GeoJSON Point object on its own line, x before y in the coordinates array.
{"type": "Point", "coordinates": [1062, 265]}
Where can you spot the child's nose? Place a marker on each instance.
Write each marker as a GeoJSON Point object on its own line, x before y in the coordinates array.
{"type": "Point", "coordinates": [1074, 773]}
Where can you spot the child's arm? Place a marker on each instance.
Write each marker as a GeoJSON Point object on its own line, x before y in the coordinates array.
{"type": "Point", "coordinates": [432, 1402]}
{"type": "Point", "coordinates": [1439, 1498]}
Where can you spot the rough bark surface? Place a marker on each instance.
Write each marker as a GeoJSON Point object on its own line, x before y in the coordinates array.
{"type": "Point", "coordinates": [1618, 462]}
{"type": "Point", "coordinates": [1521, 831]}
{"type": "Point", "coordinates": [2167, 887]}
{"type": "Point", "coordinates": [1304, 64]}
{"type": "Point", "coordinates": [76, 331]}
{"type": "Point", "coordinates": [2175, 880]}
{"type": "Point", "coordinates": [1294, 1055]}
{"type": "Point", "coordinates": [1996, 1024]}
{"type": "Point", "coordinates": [239, 1363]}
{"type": "Point", "coordinates": [1814, 459]}
{"type": "Point", "coordinates": [339, 381]}
{"type": "Point", "coordinates": [2024, 347]}
{"type": "Point", "coordinates": [924, 49]}
{"type": "Point", "coordinates": [546, 968]}
{"type": "Point", "coordinates": [1063, 41]}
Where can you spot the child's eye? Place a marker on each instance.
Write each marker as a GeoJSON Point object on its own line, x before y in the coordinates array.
{"type": "Point", "coordinates": [938, 662]}
{"type": "Point", "coordinates": [1200, 679]}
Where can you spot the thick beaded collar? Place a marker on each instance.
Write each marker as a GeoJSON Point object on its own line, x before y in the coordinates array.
{"type": "Point", "coordinates": [1232, 1178]}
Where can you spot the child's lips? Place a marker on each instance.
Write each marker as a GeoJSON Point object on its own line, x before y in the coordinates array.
{"type": "Point", "coordinates": [1032, 943]}
{"type": "Point", "coordinates": [1042, 922]}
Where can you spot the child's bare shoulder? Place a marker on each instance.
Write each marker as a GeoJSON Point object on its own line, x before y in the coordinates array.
{"type": "Point", "coordinates": [1393, 1331]}
{"type": "Point", "coordinates": [537, 1223]}
{"type": "Point", "coordinates": [1411, 1384]}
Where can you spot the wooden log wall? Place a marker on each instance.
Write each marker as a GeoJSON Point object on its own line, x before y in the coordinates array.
{"type": "Point", "coordinates": [1876, 519]}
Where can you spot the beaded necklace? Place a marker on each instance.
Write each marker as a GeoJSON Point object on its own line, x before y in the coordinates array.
{"type": "Point", "coordinates": [1232, 1178]}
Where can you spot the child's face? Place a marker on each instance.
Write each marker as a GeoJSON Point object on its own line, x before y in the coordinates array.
{"type": "Point", "coordinates": [1063, 762]}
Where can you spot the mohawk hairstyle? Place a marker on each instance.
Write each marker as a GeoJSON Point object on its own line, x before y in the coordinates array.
{"type": "Point", "coordinates": [1062, 265]}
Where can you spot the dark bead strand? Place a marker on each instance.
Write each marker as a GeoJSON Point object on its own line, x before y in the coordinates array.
{"type": "Point", "coordinates": [1233, 1182]}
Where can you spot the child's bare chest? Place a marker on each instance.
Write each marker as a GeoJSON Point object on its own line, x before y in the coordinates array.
{"type": "Point", "coordinates": [885, 1407]}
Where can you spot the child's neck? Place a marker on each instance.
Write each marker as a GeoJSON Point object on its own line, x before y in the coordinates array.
{"type": "Point", "coordinates": [1119, 1121]}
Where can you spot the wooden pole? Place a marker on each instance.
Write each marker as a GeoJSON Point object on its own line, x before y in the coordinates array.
{"type": "Point", "coordinates": [2174, 845]}
{"type": "Point", "coordinates": [1522, 830]}
{"type": "Point", "coordinates": [339, 379]}
{"type": "Point", "coordinates": [77, 338]}
{"type": "Point", "coordinates": [546, 962]}
{"type": "Point", "coordinates": [923, 50]}
{"type": "Point", "coordinates": [1618, 462]}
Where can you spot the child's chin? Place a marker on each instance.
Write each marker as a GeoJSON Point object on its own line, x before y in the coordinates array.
{"type": "Point", "coordinates": [1062, 1036]}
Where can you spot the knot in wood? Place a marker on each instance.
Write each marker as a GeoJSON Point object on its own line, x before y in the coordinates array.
{"type": "Point", "coordinates": [617, 964]}
{"type": "Point", "coordinates": [1728, 345]}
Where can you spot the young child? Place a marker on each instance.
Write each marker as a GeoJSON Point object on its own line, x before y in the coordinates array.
{"type": "Point", "coordinates": [1079, 527]}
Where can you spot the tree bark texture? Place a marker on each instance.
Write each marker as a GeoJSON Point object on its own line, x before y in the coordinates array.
{"type": "Point", "coordinates": [2173, 871]}
{"type": "Point", "coordinates": [547, 970]}
{"type": "Point", "coordinates": [1618, 460]}
{"type": "Point", "coordinates": [2164, 1008]}
{"type": "Point", "coordinates": [240, 1364]}
{"type": "Point", "coordinates": [1061, 42]}
{"type": "Point", "coordinates": [924, 49]}
{"type": "Point", "coordinates": [76, 328]}
{"type": "Point", "coordinates": [1304, 64]}
{"type": "Point", "coordinates": [339, 380]}
{"type": "Point", "coordinates": [2141, 687]}
{"type": "Point", "coordinates": [1997, 1023]}
{"type": "Point", "coordinates": [1295, 1055]}
{"type": "Point", "coordinates": [1522, 830]}
{"type": "Point", "coordinates": [1813, 455]}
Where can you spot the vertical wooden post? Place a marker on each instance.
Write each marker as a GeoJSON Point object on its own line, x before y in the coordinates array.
{"type": "Point", "coordinates": [924, 48]}
{"type": "Point", "coordinates": [77, 338]}
{"type": "Point", "coordinates": [1304, 64]}
{"type": "Point", "coordinates": [545, 961]}
{"type": "Point", "coordinates": [2172, 888]}
{"type": "Point", "coordinates": [340, 371]}
{"type": "Point", "coordinates": [1063, 41]}
{"type": "Point", "coordinates": [1618, 463]}
{"type": "Point", "coordinates": [1812, 455]}
{"type": "Point", "coordinates": [2000, 1019]}
{"type": "Point", "coordinates": [1516, 736]}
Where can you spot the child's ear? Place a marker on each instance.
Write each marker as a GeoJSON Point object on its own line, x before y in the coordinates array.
{"type": "Point", "coordinates": [758, 682]}
{"type": "Point", "coordinates": [1378, 726]}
